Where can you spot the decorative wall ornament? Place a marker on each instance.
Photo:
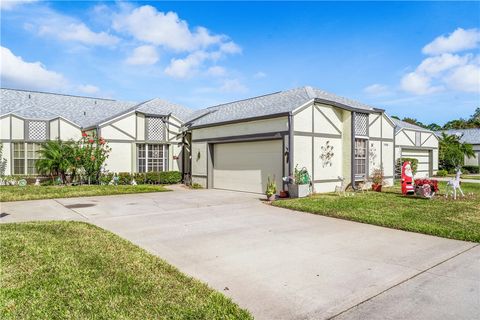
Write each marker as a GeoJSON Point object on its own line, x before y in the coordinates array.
{"type": "Point", "coordinates": [373, 154]}
{"type": "Point", "coordinates": [327, 154]}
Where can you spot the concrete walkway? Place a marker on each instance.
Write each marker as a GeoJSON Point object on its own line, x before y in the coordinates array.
{"type": "Point", "coordinates": [281, 264]}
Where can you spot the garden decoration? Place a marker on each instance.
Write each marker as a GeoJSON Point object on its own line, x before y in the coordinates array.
{"type": "Point", "coordinates": [299, 184]}
{"type": "Point", "coordinates": [327, 154]}
{"type": "Point", "coordinates": [377, 179]}
{"type": "Point", "coordinates": [407, 179]}
{"type": "Point", "coordinates": [341, 188]}
{"type": "Point", "coordinates": [37, 182]}
{"type": "Point", "coordinates": [133, 183]}
{"type": "Point", "coordinates": [453, 185]}
{"type": "Point", "coordinates": [426, 188]}
{"type": "Point", "coordinates": [22, 183]}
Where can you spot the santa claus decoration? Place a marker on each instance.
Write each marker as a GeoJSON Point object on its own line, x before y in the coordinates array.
{"type": "Point", "coordinates": [407, 179]}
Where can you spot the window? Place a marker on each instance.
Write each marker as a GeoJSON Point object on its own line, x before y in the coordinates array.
{"type": "Point", "coordinates": [152, 157]}
{"type": "Point", "coordinates": [19, 158]}
{"type": "Point", "coordinates": [360, 164]}
{"type": "Point", "coordinates": [37, 130]}
{"type": "Point", "coordinates": [361, 124]}
{"type": "Point", "coordinates": [25, 160]}
{"type": "Point", "coordinates": [156, 129]}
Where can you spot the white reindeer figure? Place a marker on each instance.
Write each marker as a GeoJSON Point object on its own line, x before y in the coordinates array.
{"type": "Point", "coordinates": [454, 184]}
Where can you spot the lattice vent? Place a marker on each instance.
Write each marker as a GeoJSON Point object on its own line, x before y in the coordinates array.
{"type": "Point", "coordinates": [37, 130]}
{"type": "Point", "coordinates": [155, 129]}
{"type": "Point", "coordinates": [361, 123]}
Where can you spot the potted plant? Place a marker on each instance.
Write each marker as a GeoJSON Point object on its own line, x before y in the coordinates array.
{"type": "Point", "coordinates": [299, 184]}
{"type": "Point", "coordinates": [377, 179]}
{"type": "Point", "coordinates": [271, 189]}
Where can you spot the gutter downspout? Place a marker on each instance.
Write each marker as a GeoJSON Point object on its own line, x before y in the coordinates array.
{"type": "Point", "coordinates": [290, 143]}
{"type": "Point", "coordinates": [353, 152]}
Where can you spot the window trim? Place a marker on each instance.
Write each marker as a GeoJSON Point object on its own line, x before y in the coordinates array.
{"type": "Point", "coordinates": [364, 158]}
{"type": "Point", "coordinates": [25, 159]}
{"type": "Point", "coordinates": [164, 158]}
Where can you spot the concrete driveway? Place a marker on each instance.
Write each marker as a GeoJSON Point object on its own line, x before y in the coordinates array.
{"type": "Point", "coordinates": [281, 264]}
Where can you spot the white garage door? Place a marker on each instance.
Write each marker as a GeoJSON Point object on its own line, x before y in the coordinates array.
{"type": "Point", "coordinates": [423, 157]}
{"type": "Point", "coordinates": [246, 166]}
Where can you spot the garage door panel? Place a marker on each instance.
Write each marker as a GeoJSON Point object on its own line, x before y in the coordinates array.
{"type": "Point", "coordinates": [246, 166]}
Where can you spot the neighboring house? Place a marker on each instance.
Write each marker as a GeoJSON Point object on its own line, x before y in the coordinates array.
{"type": "Point", "coordinates": [239, 145]}
{"type": "Point", "coordinates": [143, 137]}
{"type": "Point", "coordinates": [470, 136]}
{"type": "Point", "coordinates": [235, 146]}
{"type": "Point", "coordinates": [412, 141]}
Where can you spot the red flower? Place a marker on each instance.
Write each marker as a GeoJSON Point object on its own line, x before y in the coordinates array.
{"type": "Point", "coordinates": [77, 158]}
{"type": "Point", "coordinates": [101, 141]}
{"type": "Point", "coordinates": [84, 134]}
{"type": "Point", "coordinates": [92, 158]}
{"type": "Point", "coordinates": [91, 141]}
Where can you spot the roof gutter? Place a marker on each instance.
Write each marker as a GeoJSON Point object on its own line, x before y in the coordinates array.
{"type": "Point", "coordinates": [275, 115]}
{"type": "Point", "coordinates": [346, 107]}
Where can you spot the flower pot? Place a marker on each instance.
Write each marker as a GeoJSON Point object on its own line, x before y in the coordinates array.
{"type": "Point", "coordinates": [271, 197]}
{"type": "Point", "coordinates": [283, 194]}
{"type": "Point", "coordinates": [377, 187]}
{"type": "Point", "coordinates": [298, 190]}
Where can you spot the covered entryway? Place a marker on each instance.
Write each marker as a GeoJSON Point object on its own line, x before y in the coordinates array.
{"type": "Point", "coordinates": [246, 166]}
{"type": "Point", "coordinates": [424, 168]}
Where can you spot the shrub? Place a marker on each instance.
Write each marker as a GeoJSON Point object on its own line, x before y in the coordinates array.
{"type": "Point", "coordinates": [196, 185]}
{"type": "Point", "coordinates": [124, 178]}
{"type": "Point", "coordinates": [105, 178]}
{"type": "Point", "coordinates": [472, 169]}
{"type": "Point", "coordinates": [442, 173]}
{"type": "Point", "coordinates": [140, 177]}
{"type": "Point", "coordinates": [167, 177]}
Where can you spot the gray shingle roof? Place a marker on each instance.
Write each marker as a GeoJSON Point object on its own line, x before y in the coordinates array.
{"type": "Point", "coordinates": [471, 136]}
{"type": "Point", "coordinates": [83, 111]}
{"type": "Point", "coordinates": [399, 124]}
{"type": "Point", "coordinates": [270, 104]}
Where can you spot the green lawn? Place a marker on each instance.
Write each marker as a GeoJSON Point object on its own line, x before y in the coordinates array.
{"type": "Point", "coordinates": [16, 193]}
{"type": "Point", "coordinates": [458, 219]}
{"type": "Point", "coordinates": [74, 270]}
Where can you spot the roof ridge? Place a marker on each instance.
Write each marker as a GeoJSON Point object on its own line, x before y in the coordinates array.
{"type": "Point", "coordinates": [60, 94]}
{"type": "Point", "coordinates": [246, 99]}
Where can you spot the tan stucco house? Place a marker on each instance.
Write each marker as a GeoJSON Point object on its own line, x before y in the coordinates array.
{"type": "Point", "coordinates": [235, 146]}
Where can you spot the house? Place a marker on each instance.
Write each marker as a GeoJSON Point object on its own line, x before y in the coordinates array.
{"type": "Point", "coordinates": [143, 136]}
{"type": "Point", "coordinates": [470, 136]}
{"type": "Point", "coordinates": [412, 141]}
{"type": "Point", "coordinates": [239, 145]}
{"type": "Point", "coordinates": [235, 146]}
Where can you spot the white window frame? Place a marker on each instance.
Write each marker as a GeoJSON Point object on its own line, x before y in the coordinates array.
{"type": "Point", "coordinates": [149, 166]}
{"type": "Point", "coordinates": [36, 147]}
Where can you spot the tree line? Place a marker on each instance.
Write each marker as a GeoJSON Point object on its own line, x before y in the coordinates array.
{"type": "Point", "coordinates": [472, 122]}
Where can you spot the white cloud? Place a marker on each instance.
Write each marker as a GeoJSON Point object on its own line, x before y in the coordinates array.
{"type": "Point", "coordinates": [418, 83]}
{"type": "Point", "coordinates": [377, 89]}
{"type": "Point", "coordinates": [78, 32]}
{"type": "Point", "coordinates": [16, 72]}
{"type": "Point", "coordinates": [458, 40]}
{"type": "Point", "coordinates": [444, 70]}
{"type": "Point", "coordinates": [11, 4]}
{"type": "Point", "coordinates": [259, 75]}
{"type": "Point", "coordinates": [233, 85]}
{"type": "Point", "coordinates": [465, 78]}
{"type": "Point", "coordinates": [216, 71]}
{"type": "Point", "coordinates": [438, 64]}
{"type": "Point", "coordinates": [143, 55]}
{"type": "Point", "coordinates": [88, 89]}
{"type": "Point", "coordinates": [147, 24]}
{"type": "Point", "coordinates": [187, 67]}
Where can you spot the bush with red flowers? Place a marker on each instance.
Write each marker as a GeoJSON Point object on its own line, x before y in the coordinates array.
{"type": "Point", "coordinates": [93, 153]}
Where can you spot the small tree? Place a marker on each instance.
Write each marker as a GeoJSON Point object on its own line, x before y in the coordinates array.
{"type": "Point", "coordinates": [93, 151]}
{"type": "Point", "coordinates": [452, 152]}
{"type": "Point", "coordinates": [56, 158]}
{"type": "Point", "coordinates": [3, 162]}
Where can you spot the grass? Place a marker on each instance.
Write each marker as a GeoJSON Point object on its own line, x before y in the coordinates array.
{"type": "Point", "coordinates": [16, 193]}
{"type": "Point", "coordinates": [458, 219]}
{"type": "Point", "coordinates": [74, 270]}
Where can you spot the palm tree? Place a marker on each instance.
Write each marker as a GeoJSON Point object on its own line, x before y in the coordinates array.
{"type": "Point", "coordinates": [56, 158]}
{"type": "Point", "coordinates": [452, 151]}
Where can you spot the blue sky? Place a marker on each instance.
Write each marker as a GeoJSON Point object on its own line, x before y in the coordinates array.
{"type": "Point", "coordinates": [413, 59]}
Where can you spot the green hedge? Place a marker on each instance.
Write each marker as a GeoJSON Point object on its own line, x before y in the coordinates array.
{"type": "Point", "coordinates": [126, 178]}
{"type": "Point", "coordinates": [442, 173]}
{"type": "Point", "coordinates": [471, 169]}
